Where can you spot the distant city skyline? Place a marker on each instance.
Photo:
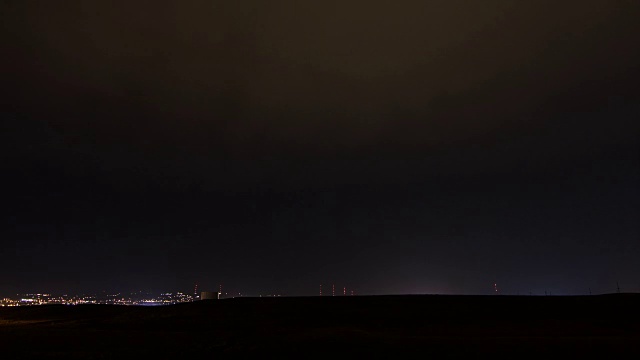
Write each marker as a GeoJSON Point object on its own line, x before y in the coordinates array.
{"type": "Point", "coordinates": [344, 291]}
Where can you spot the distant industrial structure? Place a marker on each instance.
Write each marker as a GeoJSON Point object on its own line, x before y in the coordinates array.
{"type": "Point", "coordinates": [210, 295]}
{"type": "Point", "coordinates": [333, 290]}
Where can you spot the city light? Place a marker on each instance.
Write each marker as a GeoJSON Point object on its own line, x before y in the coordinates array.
{"type": "Point", "coordinates": [138, 298]}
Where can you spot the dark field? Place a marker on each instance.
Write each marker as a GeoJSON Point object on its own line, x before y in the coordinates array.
{"type": "Point", "coordinates": [356, 327]}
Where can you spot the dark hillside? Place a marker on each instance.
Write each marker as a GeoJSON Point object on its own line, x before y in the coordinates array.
{"type": "Point", "coordinates": [379, 326]}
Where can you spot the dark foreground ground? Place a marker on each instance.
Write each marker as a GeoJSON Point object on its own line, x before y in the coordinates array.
{"type": "Point", "coordinates": [345, 327]}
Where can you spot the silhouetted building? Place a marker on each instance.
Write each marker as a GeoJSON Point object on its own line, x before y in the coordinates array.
{"type": "Point", "coordinates": [210, 295]}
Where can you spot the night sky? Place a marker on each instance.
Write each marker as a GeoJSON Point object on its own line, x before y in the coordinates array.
{"type": "Point", "coordinates": [272, 146]}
